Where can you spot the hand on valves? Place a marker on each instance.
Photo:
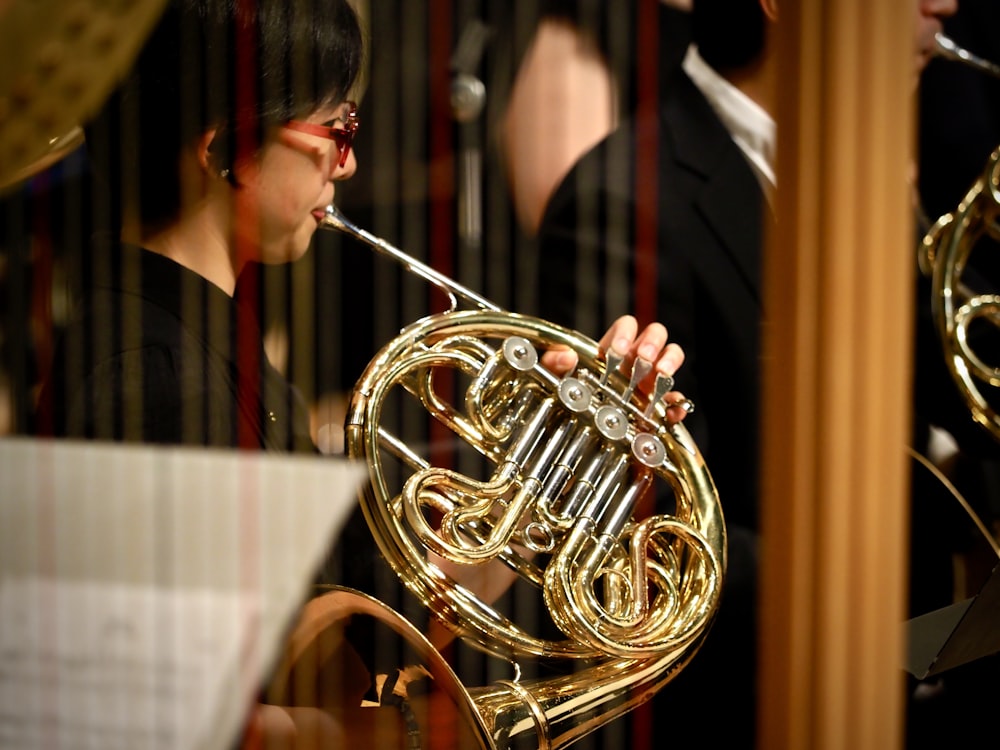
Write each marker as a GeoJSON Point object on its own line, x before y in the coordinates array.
{"type": "Point", "coordinates": [653, 359]}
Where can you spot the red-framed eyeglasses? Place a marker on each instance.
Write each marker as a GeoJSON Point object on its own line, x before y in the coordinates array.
{"type": "Point", "coordinates": [342, 136]}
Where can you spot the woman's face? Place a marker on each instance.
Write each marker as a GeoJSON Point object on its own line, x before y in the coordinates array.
{"type": "Point", "coordinates": [288, 188]}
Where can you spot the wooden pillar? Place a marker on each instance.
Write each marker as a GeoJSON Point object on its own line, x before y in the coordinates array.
{"type": "Point", "coordinates": [838, 285]}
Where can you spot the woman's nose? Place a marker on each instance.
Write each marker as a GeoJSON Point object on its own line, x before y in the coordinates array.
{"type": "Point", "coordinates": [939, 8]}
{"type": "Point", "coordinates": [344, 172]}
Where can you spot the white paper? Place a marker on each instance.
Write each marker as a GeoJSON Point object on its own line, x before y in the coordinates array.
{"type": "Point", "coordinates": [97, 665]}
{"type": "Point", "coordinates": [144, 592]}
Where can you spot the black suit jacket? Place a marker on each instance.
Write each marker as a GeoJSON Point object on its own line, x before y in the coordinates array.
{"type": "Point", "coordinates": [708, 235]}
{"type": "Point", "coordinates": [688, 236]}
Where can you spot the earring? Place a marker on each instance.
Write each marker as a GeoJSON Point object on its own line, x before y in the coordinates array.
{"type": "Point", "coordinates": [226, 173]}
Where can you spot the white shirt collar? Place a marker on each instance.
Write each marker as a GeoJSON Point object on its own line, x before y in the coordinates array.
{"type": "Point", "coordinates": [751, 127]}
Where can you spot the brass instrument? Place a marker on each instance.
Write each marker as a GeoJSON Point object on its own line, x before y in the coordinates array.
{"type": "Point", "coordinates": [943, 255]}
{"type": "Point", "coordinates": [945, 48]}
{"type": "Point", "coordinates": [571, 459]}
{"type": "Point", "coordinates": [60, 62]}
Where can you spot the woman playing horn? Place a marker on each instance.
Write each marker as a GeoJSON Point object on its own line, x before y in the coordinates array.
{"type": "Point", "coordinates": [222, 148]}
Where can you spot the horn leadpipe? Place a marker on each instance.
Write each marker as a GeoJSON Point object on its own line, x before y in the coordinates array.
{"type": "Point", "coordinates": [947, 49]}
{"type": "Point", "coordinates": [334, 219]}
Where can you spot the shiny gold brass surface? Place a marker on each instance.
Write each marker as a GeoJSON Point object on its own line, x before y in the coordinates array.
{"type": "Point", "coordinates": [943, 254]}
{"type": "Point", "coordinates": [318, 639]}
{"type": "Point", "coordinates": [568, 467]}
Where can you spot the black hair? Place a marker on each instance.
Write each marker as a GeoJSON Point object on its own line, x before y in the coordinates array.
{"type": "Point", "coordinates": [730, 34]}
{"type": "Point", "coordinates": [240, 66]}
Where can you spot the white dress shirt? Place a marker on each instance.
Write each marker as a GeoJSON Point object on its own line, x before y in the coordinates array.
{"type": "Point", "coordinates": [751, 128]}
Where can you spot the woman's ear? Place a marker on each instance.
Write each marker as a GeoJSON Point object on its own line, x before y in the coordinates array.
{"type": "Point", "coordinates": [206, 158]}
{"type": "Point", "coordinates": [212, 158]}
{"type": "Point", "coordinates": [770, 9]}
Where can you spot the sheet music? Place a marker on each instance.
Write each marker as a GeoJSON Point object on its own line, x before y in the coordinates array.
{"type": "Point", "coordinates": [144, 591]}
{"type": "Point", "coordinates": [98, 665]}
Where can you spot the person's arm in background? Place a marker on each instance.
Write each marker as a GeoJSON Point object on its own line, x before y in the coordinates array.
{"type": "Point", "coordinates": [567, 96]}
{"type": "Point", "coordinates": [562, 103]}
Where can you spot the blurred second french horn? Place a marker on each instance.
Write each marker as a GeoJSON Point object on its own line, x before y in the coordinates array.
{"type": "Point", "coordinates": [943, 256]}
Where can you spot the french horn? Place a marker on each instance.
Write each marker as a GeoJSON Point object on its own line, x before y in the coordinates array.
{"type": "Point", "coordinates": [570, 463]}
{"type": "Point", "coordinates": [943, 255]}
